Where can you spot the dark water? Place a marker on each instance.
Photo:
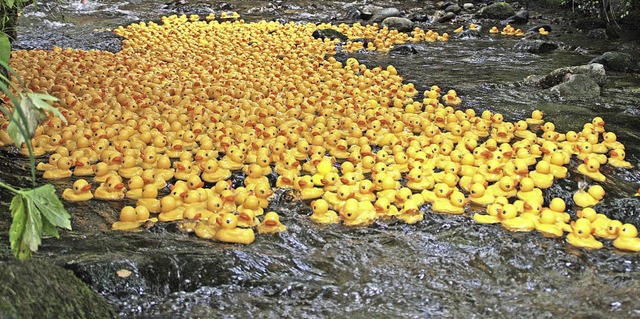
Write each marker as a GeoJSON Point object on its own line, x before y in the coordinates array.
{"type": "Point", "coordinates": [445, 266]}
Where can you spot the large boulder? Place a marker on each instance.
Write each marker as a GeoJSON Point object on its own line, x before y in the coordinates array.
{"type": "Point", "coordinates": [577, 87]}
{"type": "Point", "coordinates": [380, 15]}
{"type": "Point", "coordinates": [535, 46]}
{"type": "Point", "coordinates": [594, 71]}
{"type": "Point", "coordinates": [34, 289]}
{"type": "Point", "coordinates": [617, 61]}
{"type": "Point", "coordinates": [498, 11]}
{"type": "Point", "coordinates": [397, 23]}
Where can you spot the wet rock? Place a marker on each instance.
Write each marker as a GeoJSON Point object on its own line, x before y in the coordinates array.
{"type": "Point", "coordinates": [454, 7]}
{"type": "Point", "coordinates": [420, 17]}
{"type": "Point", "coordinates": [368, 10]}
{"type": "Point", "coordinates": [577, 87]}
{"type": "Point", "coordinates": [468, 34]}
{"type": "Point", "coordinates": [521, 17]}
{"type": "Point", "coordinates": [397, 23]}
{"type": "Point", "coordinates": [594, 71]}
{"type": "Point", "coordinates": [498, 10]}
{"type": "Point", "coordinates": [536, 28]}
{"type": "Point", "coordinates": [535, 46]}
{"type": "Point", "coordinates": [404, 50]}
{"type": "Point", "coordinates": [598, 34]}
{"type": "Point", "coordinates": [446, 17]}
{"type": "Point", "coordinates": [353, 14]}
{"type": "Point", "coordinates": [468, 6]}
{"type": "Point", "coordinates": [380, 15]}
{"type": "Point", "coordinates": [618, 61]}
{"type": "Point", "coordinates": [34, 289]}
{"type": "Point", "coordinates": [329, 34]}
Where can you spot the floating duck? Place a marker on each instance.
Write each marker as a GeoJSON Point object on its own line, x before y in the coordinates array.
{"type": "Point", "coordinates": [611, 142]}
{"type": "Point", "coordinates": [365, 191]}
{"type": "Point", "coordinates": [149, 199]}
{"type": "Point", "coordinates": [581, 236]}
{"type": "Point", "coordinates": [541, 176]}
{"type": "Point", "coordinates": [529, 192]}
{"type": "Point", "coordinates": [129, 167]}
{"type": "Point", "coordinates": [80, 192]}
{"type": "Point", "coordinates": [111, 189]}
{"type": "Point", "coordinates": [51, 164]}
{"type": "Point", "coordinates": [505, 187]}
{"type": "Point", "coordinates": [163, 168]}
{"type": "Point", "coordinates": [170, 209]}
{"type": "Point", "coordinates": [307, 188]}
{"type": "Point", "coordinates": [186, 169]}
{"type": "Point", "coordinates": [536, 118]}
{"type": "Point", "coordinates": [558, 207]}
{"type": "Point", "coordinates": [589, 198]}
{"type": "Point", "coordinates": [410, 213]}
{"type": "Point", "coordinates": [492, 215]}
{"type": "Point", "coordinates": [353, 214]}
{"type": "Point", "coordinates": [549, 226]}
{"type": "Point", "coordinates": [627, 238]}
{"type": "Point", "coordinates": [131, 218]}
{"type": "Point", "coordinates": [510, 220]}
{"type": "Point", "coordinates": [543, 31]}
{"type": "Point", "coordinates": [591, 169]}
{"type": "Point", "coordinates": [135, 185]}
{"type": "Point", "coordinates": [63, 169]}
{"type": "Point", "coordinates": [82, 167]}
{"type": "Point", "coordinates": [494, 30]}
{"type": "Point", "coordinates": [230, 233]}
{"type": "Point", "coordinates": [479, 196]}
{"type": "Point", "coordinates": [453, 205]}
{"type": "Point", "coordinates": [233, 159]}
{"type": "Point", "coordinates": [611, 231]}
{"type": "Point", "coordinates": [271, 224]}
{"type": "Point", "coordinates": [616, 159]}
{"type": "Point", "coordinates": [322, 214]}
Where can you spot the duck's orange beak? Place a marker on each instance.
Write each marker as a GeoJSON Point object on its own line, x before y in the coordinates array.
{"type": "Point", "coordinates": [271, 223]}
{"type": "Point", "coordinates": [119, 186]}
{"type": "Point", "coordinates": [86, 188]}
{"type": "Point", "coordinates": [244, 216]}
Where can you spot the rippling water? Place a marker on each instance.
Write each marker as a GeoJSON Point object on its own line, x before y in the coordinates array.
{"type": "Point", "coordinates": [445, 266]}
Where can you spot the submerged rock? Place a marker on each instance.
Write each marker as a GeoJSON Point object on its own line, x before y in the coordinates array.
{"type": "Point", "coordinates": [34, 289]}
{"type": "Point", "coordinates": [380, 15]}
{"type": "Point", "coordinates": [618, 61]}
{"type": "Point", "coordinates": [535, 46]}
{"type": "Point", "coordinates": [329, 34]}
{"type": "Point", "coordinates": [404, 50]}
{"type": "Point", "coordinates": [498, 10]}
{"type": "Point", "coordinates": [594, 71]}
{"type": "Point", "coordinates": [577, 87]}
{"type": "Point", "coordinates": [397, 23]}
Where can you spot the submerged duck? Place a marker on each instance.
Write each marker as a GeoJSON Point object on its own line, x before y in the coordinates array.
{"type": "Point", "coordinates": [271, 224]}
{"type": "Point", "coordinates": [79, 192]}
{"type": "Point", "coordinates": [581, 236]}
{"type": "Point", "coordinates": [230, 233]}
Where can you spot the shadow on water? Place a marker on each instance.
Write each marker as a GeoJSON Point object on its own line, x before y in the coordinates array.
{"type": "Point", "coordinates": [445, 266]}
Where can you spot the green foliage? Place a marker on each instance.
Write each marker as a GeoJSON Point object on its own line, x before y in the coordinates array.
{"type": "Point", "coordinates": [35, 211]}
{"type": "Point", "coordinates": [604, 9]}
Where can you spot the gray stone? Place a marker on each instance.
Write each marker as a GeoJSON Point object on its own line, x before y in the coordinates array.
{"type": "Point", "coordinates": [468, 6]}
{"type": "Point", "coordinates": [594, 70]}
{"type": "Point", "coordinates": [453, 8]}
{"type": "Point", "coordinates": [445, 17]}
{"type": "Point", "coordinates": [367, 11]}
{"type": "Point", "coordinates": [577, 87]}
{"type": "Point", "coordinates": [618, 61]}
{"type": "Point", "coordinates": [380, 15]}
{"type": "Point", "coordinates": [397, 23]}
{"type": "Point", "coordinates": [598, 34]}
{"type": "Point", "coordinates": [329, 34]}
{"type": "Point", "coordinates": [535, 46]}
{"type": "Point", "coordinates": [521, 17]}
{"type": "Point", "coordinates": [498, 10]}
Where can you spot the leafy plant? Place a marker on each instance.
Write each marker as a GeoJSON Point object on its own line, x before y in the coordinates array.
{"type": "Point", "coordinates": [37, 210]}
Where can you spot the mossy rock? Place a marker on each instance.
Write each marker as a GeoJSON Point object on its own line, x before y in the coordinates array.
{"type": "Point", "coordinates": [498, 10]}
{"type": "Point", "coordinates": [35, 289]}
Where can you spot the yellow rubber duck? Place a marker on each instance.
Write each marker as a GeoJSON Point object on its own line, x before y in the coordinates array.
{"type": "Point", "coordinates": [536, 118]}
{"type": "Point", "coordinates": [453, 205]}
{"type": "Point", "coordinates": [591, 169]}
{"type": "Point", "coordinates": [492, 214]}
{"type": "Point", "coordinates": [112, 189]}
{"type": "Point", "coordinates": [186, 169]}
{"type": "Point", "coordinates": [529, 192]}
{"type": "Point", "coordinates": [254, 175]}
{"type": "Point", "coordinates": [410, 213]}
{"type": "Point", "coordinates": [63, 169]}
{"type": "Point", "coordinates": [163, 168]}
{"type": "Point", "coordinates": [590, 197]}
{"type": "Point", "coordinates": [307, 188]}
{"type": "Point", "coordinates": [339, 197]}
{"type": "Point", "coordinates": [549, 226]}
{"type": "Point", "coordinates": [627, 238]}
{"type": "Point", "coordinates": [556, 164]}
{"type": "Point", "coordinates": [129, 167]}
{"type": "Point", "coordinates": [581, 236]}
{"type": "Point", "coordinates": [491, 170]}
{"type": "Point", "coordinates": [353, 214]}
{"type": "Point", "coordinates": [79, 192]}
{"type": "Point", "coordinates": [616, 159]}
{"type": "Point", "coordinates": [131, 218]}
{"type": "Point", "coordinates": [149, 199]}
{"type": "Point", "coordinates": [51, 164]}
{"type": "Point", "coordinates": [230, 233]}
{"type": "Point", "coordinates": [611, 231]}
{"type": "Point", "coordinates": [271, 224]}
{"type": "Point", "coordinates": [541, 176]}
{"type": "Point", "coordinates": [505, 187]}
{"type": "Point", "coordinates": [543, 31]}
{"type": "Point", "coordinates": [494, 30]}
{"type": "Point", "coordinates": [510, 220]}
{"type": "Point", "coordinates": [479, 196]}
{"type": "Point", "coordinates": [134, 187]}
{"type": "Point", "coordinates": [459, 30]}
{"type": "Point", "coordinates": [322, 214]}
{"type": "Point", "coordinates": [610, 140]}
{"type": "Point", "coordinates": [558, 207]}
{"type": "Point", "coordinates": [82, 167]}
{"type": "Point", "coordinates": [233, 159]}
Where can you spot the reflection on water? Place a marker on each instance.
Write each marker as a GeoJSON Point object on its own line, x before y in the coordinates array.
{"type": "Point", "coordinates": [444, 266]}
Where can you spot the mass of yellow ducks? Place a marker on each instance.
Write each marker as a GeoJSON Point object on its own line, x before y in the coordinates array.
{"type": "Point", "coordinates": [187, 104]}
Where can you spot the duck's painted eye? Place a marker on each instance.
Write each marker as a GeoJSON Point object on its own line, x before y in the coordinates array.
{"type": "Point", "coordinates": [580, 231]}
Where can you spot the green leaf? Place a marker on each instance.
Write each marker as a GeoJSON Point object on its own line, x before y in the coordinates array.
{"type": "Point", "coordinates": [49, 229]}
{"type": "Point", "coordinates": [9, 3]}
{"type": "Point", "coordinates": [32, 117]}
{"type": "Point", "coordinates": [38, 101]}
{"type": "Point", "coordinates": [33, 229]}
{"type": "Point", "coordinates": [49, 205]}
{"type": "Point", "coordinates": [18, 213]}
{"type": "Point", "coordinates": [5, 48]}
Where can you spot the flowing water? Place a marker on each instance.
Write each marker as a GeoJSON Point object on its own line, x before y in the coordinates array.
{"type": "Point", "coordinates": [445, 266]}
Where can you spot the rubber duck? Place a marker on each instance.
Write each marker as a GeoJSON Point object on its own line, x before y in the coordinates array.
{"type": "Point", "coordinates": [230, 233]}
{"type": "Point", "coordinates": [149, 158]}
{"type": "Point", "coordinates": [385, 209]}
{"type": "Point", "coordinates": [591, 169]}
{"type": "Point", "coordinates": [170, 210]}
{"type": "Point", "coordinates": [134, 185]}
{"type": "Point", "coordinates": [82, 167]}
{"type": "Point", "coordinates": [541, 176]}
{"type": "Point", "coordinates": [479, 196]}
{"type": "Point", "coordinates": [149, 177]}
{"type": "Point", "coordinates": [102, 172]}
{"type": "Point", "coordinates": [627, 238]}
{"type": "Point", "coordinates": [510, 220]}
{"type": "Point", "coordinates": [129, 167]}
{"type": "Point", "coordinates": [581, 236]}
{"type": "Point", "coordinates": [286, 180]}
{"type": "Point", "coordinates": [149, 199]}
{"type": "Point", "coordinates": [307, 188]}
{"type": "Point", "coordinates": [590, 197]}
{"type": "Point", "coordinates": [529, 193]}
{"type": "Point", "coordinates": [63, 169]}
{"type": "Point", "coordinates": [536, 118]}
{"type": "Point", "coordinates": [353, 214]}
{"type": "Point", "coordinates": [131, 218]}
{"type": "Point", "coordinates": [585, 150]}
{"type": "Point", "coordinates": [254, 175]}
{"type": "Point", "coordinates": [338, 198]}
{"type": "Point", "coordinates": [616, 159]}
{"type": "Point", "coordinates": [505, 187]}
{"type": "Point", "coordinates": [459, 30]}
{"type": "Point", "coordinates": [549, 226]}
{"type": "Point", "coordinates": [185, 169]}
{"type": "Point", "coordinates": [491, 170]}
{"type": "Point", "coordinates": [79, 192]}
{"type": "Point", "coordinates": [492, 215]}
{"type": "Point", "coordinates": [454, 204]}
{"type": "Point", "coordinates": [212, 173]}
{"type": "Point", "coordinates": [557, 161]}
{"type": "Point", "coordinates": [494, 30]}
{"type": "Point", "coordinates": [558, 207]}
{"type": "Point", "coordinates": [611, 142]}
{"type": "Point", "coordinates": [163, 168]}
{"type": "Point", "coordinates": [365, 191]}
{"type": "Point", "coordinates": [271, 224]}
{"type": "Point", "coordinates": [233, 159]}
{"type": "Point", "coordinates": [111, 189]}
{"type": "Point", "coordinates": [287, 163]}
{"type": "Point", "coordinates": [441, 191]}
{"type": "Point", "coordinates": [322, 214]}
{"type": "Point", "coordinates": [410, 213]}
{"type": "Point", "coordinates": [248, 211]}
{"type": "Point", "coordinates": [51, 164]}
{"type": "Point", "coordinates": [417, 181]}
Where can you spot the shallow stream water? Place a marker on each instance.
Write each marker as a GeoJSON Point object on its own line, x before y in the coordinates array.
{"type": "Point", "coordinates": [445, 266]}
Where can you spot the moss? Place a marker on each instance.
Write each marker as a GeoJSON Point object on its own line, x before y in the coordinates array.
{"type": "Point", "coordinates": [35, 289]}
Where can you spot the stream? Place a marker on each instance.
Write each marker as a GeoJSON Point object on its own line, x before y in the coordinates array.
{"type": "Point", "coordinates": [444, 266]}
